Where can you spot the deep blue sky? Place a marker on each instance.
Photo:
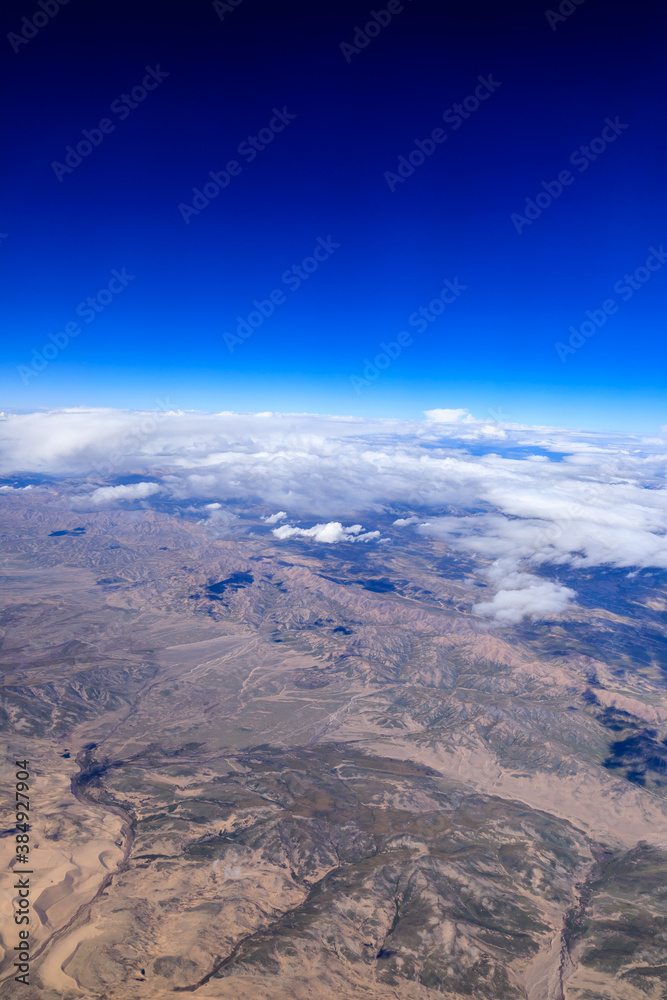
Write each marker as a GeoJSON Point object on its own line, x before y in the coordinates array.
{"type": "Point", "coordinates": [162, 338]}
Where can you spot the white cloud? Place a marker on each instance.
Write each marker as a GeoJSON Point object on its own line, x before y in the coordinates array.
{"type": "Point", "coordinates": [275, 518]}
{"type": "Point", "coordinates": [136, 491]}
{"type": "Point", "coordinates": [401, 522]}
{"type": "Point", "coordinates": [448, 416]}
{"type": "Point", "coordinates": [222, 521]}
{"type": "Point", "coordinates": [521, 594]}
{"type": "Point", "coordinates": [331, 533]}
{"type": "Point", "coordinates": [536, 598]}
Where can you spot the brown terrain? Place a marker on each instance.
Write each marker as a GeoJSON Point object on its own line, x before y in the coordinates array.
{"type": "Point", "coordinates": [272, 769]}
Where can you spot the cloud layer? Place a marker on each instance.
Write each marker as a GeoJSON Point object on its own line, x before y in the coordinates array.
{"type": "Point", "coordinates": [513, 497]}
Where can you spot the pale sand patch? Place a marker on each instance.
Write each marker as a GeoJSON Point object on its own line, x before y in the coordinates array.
{"type": "Point", "coordinates": [74, 847]}
{"type": "Point", "coordinates": [54, 963]}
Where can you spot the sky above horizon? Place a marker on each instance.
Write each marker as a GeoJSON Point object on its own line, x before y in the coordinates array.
{"type": "Point", "coordinates": [254, 206]}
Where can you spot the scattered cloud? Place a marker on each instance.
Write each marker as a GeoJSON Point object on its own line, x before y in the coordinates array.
{"type": "Point", "coordinates": [219, 519]}
{"type": "Point", "coordinates": [331, 533]}
{"type": "Point", "coordinates": [449, 416]}
{"type": "Point", "coordinates": [136, 491]}
{"type": "Point", "coordinates": [522, 595]}
{"type": "Point", "coordinates": [275, 518]}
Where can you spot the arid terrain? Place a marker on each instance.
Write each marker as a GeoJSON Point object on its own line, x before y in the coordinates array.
{"type": "Point", "coordinates": [274, 768]}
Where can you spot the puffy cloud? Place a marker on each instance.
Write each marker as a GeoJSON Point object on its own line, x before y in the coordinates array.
{"type": "Point", "coordinates": [222, 521]}
{"type": "Point", "coordinates": [521, 594]}
{"type": "Point", "coordinates": [136, 491]}
{"type": "Point", "coordinates": [401, 522]}
{"type": "Point", "coordinates": [535, 598]}
{"type": "Point", "coordinates": [330, 533]}
{"type": "Point", "coordinates": [466, 426]}
{"type": "Point", "coordinates": [448, 416]}
{"type": "Point", "coordinates": [275, 518]}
